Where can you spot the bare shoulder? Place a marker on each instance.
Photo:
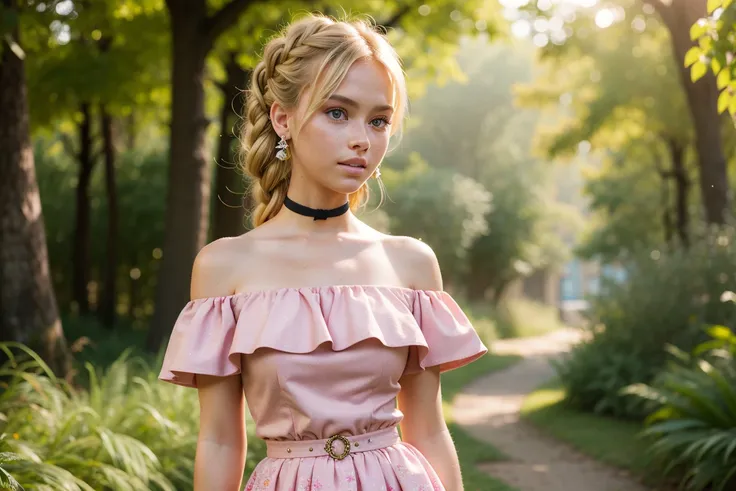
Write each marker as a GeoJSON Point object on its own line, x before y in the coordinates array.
{"type": "Point", "coordinates": [417, 259]}
{"type": "Point", "coordinates": [213, 272]}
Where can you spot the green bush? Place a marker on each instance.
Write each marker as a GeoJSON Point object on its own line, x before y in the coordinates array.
{"type": "Point", "coordinates": [512, 319]}
{"type": "Point", "coordinates": [693, 429]}
{"type": "Point", "coordinates": [667, 299]}
{"type": "Point", "coordinates": [141, 188]}
{"type": "Point", "coordinates": [126, 431]}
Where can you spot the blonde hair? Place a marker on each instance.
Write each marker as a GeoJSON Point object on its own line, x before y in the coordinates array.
{"type": "Point", "coordinates": [314, 48]}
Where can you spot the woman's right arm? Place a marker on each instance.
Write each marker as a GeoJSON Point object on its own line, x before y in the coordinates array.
{"type": "Point", "coordinates": [222, 442]}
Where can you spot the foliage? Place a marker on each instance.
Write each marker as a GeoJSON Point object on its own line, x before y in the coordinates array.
{"type": "Point", "coordinates": [445, 209]}
{"type": "Point", "coordinates": [693, 430]}
{"type": "Point", "coordinates": [716, 50]}
{"type": "Point", "coordinates": [613, 83]}
{"type": "Point", "coordinates": [513, 318]}
{"type": "Point", "coordinates": [626, 203]}
{"type": "Point", "coordinates": [618, 106]}
{"type": "Point", "coordinates": [668, 296]}
{"type": "Point", "coordinates": [141, 184]}
{"type": "Point", "coordinates": [472, 127]}
{"type": "Point", "coordinates": [100, 53]}
{"type": "Point", "coordinates": [126, 431]}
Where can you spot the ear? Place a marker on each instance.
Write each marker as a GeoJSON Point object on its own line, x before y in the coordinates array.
{"type": "Point", "coordinates": [280, 120]}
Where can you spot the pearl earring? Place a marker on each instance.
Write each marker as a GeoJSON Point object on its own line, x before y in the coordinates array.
{"type": "Point", "coordinates": [283, 153]}
{"type": "Point", "coordinates": [377, 172]}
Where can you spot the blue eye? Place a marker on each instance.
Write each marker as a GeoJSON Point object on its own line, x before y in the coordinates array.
{"type": "Point", "coordinates": [385, 122]}
{"type": "Point", "coordinates": [333, 111]}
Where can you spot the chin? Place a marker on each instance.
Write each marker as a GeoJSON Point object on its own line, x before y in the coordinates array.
{"type": "Point", "coordinates": [347, 186]}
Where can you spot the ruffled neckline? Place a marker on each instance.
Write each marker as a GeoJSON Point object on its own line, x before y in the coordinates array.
{"type": "Point", "coordinates": [211, 333]}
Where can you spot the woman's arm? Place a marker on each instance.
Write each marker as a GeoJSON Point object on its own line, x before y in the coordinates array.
{"type": "Point", "coordinates": [420, 398]}
{"type": "Point", "coordinates": [221, 443]}
{"type": "Point", "coordinates": [424, 425]}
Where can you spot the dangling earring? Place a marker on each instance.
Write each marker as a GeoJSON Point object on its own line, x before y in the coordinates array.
{"type": "Point", "coordinates": [283, 153]}
{"type": "Point", "coordinates": [377, 172]}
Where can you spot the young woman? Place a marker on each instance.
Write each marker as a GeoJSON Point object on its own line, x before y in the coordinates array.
{"type": "Point", "coordinates": [319, 321]}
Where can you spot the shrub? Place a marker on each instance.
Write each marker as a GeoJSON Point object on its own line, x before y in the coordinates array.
{"type": "Point", "coordinates": [127, 431]}
{"type": "Point", "coordinates": [512, 318]}
{"type": "Point", "coordinates": [668, 297]}
{"type": "Point", "coordinates": [693, 429]}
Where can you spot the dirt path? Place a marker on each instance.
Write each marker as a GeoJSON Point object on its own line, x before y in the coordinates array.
{"type": "Point", "coordinates": [489, 410]}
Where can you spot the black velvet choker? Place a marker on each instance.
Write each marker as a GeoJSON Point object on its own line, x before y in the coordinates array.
{"type": "Point", "coordinates": [316, 213]}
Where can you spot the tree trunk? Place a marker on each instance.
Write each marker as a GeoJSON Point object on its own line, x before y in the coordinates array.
{"type": "Point", "coordinates": [682, 186]}
{"type": "Point", "coordinates": [109, 292]}
{"type": "Point", "coordinates": [666, 210]}
{"type": "Point", "coordinates": [133, 290]}
{"type": "Point", "coordinates": [476, 288]}
{"type": "Point", "coordinates": [229, 204]}
{"type": "Point", "coordinates": [702, 98]}
{"type": "Point", "coordinates": [81, 241]}
{"type": "Point", "coordinates": [188, 194]}
{"type": "Point", "coordinates": [28, 309]}
{"type": "Point", "coordinates": [130, 131]}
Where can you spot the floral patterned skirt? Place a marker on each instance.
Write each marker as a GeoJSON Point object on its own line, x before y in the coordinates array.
{"type": "Point", "coordinates": [399, 467]}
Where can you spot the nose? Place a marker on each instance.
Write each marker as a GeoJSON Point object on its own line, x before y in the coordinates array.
{"type": "Point", "coordinates": [359, 139]}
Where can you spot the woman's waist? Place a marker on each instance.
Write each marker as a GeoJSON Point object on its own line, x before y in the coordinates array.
{"type": "Point", "coordinates": [337, 446]}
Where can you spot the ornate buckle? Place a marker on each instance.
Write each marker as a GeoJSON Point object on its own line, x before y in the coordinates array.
{"type": "Point", "coordinates": [331, 452]}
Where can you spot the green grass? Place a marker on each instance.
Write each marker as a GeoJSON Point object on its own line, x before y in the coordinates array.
{"type": "Point", "coordinates": [610, 440]}
{"type": "Point", "coordinates": [516, 318]}
{"type": "Point", "coordinates": [472, 452]}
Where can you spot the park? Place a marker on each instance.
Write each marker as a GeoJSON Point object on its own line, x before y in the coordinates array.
{"type": "Point", "coordinates": [570, 163]}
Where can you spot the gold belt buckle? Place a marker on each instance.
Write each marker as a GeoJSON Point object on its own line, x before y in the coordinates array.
{"type": "Point", "coordinates": [331, 452]}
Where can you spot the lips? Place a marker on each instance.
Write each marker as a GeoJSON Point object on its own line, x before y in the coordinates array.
{"type": "Point", "coordinates": [355, 162]}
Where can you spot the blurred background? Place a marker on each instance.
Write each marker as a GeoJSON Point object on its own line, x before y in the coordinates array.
{"type": "Point", "coordinates": [567, 160]}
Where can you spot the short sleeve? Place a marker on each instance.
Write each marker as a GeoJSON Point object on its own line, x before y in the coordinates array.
{"type": "Point", "coordinates": [452, 342]}
{"type": "Point", "coordinates": [200, 342]}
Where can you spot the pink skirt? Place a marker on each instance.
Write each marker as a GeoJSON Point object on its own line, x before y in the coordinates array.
{"type": "Point", "coordinates": [376, 461]}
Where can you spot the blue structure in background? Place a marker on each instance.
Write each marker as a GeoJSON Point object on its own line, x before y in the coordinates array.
{"type": "Point", "coordinates": [577, 284]}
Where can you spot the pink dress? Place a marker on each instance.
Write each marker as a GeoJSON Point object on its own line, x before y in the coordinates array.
{"type": "Point", "coordinates": [321, 362]}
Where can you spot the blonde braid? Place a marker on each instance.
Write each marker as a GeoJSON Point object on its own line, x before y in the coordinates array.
{"type": "Point", "coordinates": [286, 70]}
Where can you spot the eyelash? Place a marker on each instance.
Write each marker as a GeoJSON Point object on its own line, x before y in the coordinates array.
{"type": "Point", "coordinates": [382, 118]}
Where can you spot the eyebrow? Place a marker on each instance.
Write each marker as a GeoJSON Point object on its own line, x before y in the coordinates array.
{"type": "Point", "coordinates": [348, 101]}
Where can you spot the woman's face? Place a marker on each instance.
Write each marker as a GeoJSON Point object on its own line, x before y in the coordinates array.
{"type": "Point", "coordinates": [344, 141]}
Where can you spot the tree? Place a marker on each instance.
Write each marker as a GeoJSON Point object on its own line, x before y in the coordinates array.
{"type": "Point", "coordinates": [441, 207]}
{"type": "Point", "coordinates": [701, 96]}
{"type": "Point", "coordinates": [106, 65]}
{"type": "Point", "coordinates": [28, 310]}
{"type": "Point", "coordinates": [716, 38]}
{"type": "Point", "coordinates": [473, 128]}
{"type": "Point", "coordinates": [620, 95]}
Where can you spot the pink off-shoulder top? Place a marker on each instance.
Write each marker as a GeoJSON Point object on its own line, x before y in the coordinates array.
{"type": "Point", "coordinates": [319, 361]}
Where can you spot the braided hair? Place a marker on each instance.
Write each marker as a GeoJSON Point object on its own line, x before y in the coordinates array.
{"type": "Point", "coordinates": [315, 47]}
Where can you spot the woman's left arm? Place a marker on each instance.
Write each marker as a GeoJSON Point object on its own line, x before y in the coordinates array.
{"type": "Point", "coordinates": [424, 426]}
{"type": "Point", "coordinates": [420, 398]}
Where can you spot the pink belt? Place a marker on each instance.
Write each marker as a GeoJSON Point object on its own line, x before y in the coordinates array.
{"type": "Point", "coordinates": [337, 446]}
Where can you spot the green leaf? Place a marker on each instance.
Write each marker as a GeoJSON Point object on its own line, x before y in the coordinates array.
{"type": "Point", "coordinates": [723, 79]}
{"type": "Point", "coordinates": [712, 5]}
{"type": "Point", "coordinates": [732, 106]}
{"type": "Point", "coordinates": [692, 55]}
{"type": "Point", "coordinates": [720, 332]}
{"type": "Point", "coordinates": [698, 71]}
{"type": "Point", "coordinates": [716, 66]}
{"type": "Point", "coordinates": [698, 29]}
